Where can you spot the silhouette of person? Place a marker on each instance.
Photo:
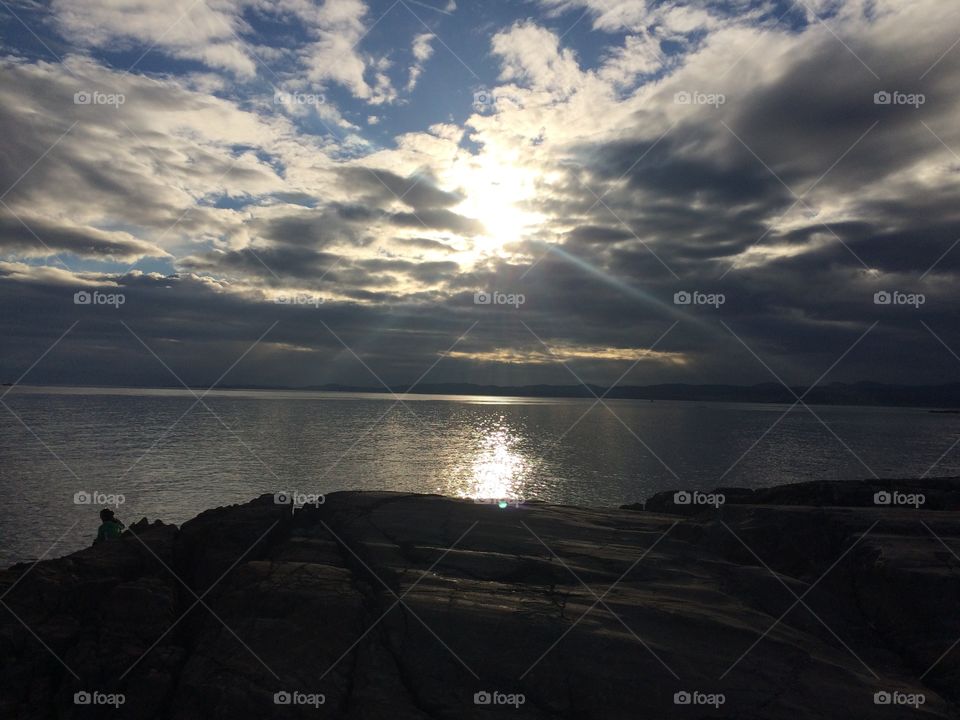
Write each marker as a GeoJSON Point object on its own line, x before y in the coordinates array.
{"type": "Point", "coordinates": [110, 527]}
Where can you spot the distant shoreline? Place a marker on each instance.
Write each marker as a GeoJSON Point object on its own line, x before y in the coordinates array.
{"type": "Point", "coordinates": [943, 399]}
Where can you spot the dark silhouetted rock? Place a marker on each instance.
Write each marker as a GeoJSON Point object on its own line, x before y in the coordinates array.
{"type": "Point", "coordinates": [390, 605]}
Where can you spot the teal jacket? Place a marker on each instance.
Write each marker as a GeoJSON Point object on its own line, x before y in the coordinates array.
{"type": "Point", "coordinates": [109, 530]}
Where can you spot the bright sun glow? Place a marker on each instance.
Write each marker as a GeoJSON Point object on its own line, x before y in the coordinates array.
{"type": "Point", "coordinates": [495, 191]}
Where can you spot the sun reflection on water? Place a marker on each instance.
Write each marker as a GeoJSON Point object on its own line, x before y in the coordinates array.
{"type": "Point", "coordinates": [499, 470]}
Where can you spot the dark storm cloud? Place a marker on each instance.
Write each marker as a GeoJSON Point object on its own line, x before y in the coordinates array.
{"type": "Point", "coordinates": [199, 327]}
{"type": "Point", "coordinates": [266, 263]}
{"type": "Point", "coordinates": [711, 187]}
{"type": "Point", "coordinates": [438, 219]}
{"type": "Point", "coordinates": [38, 237]}
{"type": "Point", "coordinates": [326, 271]}
{"type": "Point", "coordinates": [799, 314]}
{"type": "Point", "coordinates": [422, 244]}
{"type": "Point", "coordinates": [702, 191]}
{"type": "Point", "coordinates": [418, 191]}
{"type": "Point", "coordinates": [423, 272]}
{"type": "Point", "coordinates": [598, 234]}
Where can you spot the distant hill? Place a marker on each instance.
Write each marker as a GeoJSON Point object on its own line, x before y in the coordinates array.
{"type": "Point", "coordinates": [944, 398]}
{"type": "Point", "coordinates": [860, 393]}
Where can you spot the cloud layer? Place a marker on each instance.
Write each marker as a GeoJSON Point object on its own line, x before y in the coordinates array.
{"type": "Point", "coordinates": [617, 154]}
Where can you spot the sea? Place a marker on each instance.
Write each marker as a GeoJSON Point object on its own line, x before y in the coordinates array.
{"type": "Point", "coordinates": [168, 454]}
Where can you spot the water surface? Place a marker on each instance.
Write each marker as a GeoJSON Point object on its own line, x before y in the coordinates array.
{"type": "Point", "coordinates": [171, 456]}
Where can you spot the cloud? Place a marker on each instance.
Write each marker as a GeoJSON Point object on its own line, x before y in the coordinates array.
{"type": "Point", "coordinates": [226, 37]}
{"type": "Point", "coordinates": [532, 55]}
{"type": "Point", "coordinates": [550, 356]}
{"type": "Point", "coordinates": [589, 166]}
{"type": "Point", "coordinates": [610, 15]}
{"type": "Point", "coordinates": [338, 28]}
{"type": "Point", "coordinates": [38, 237]}
{"type": "Point", "coordinates": [422, 51]}
{"type": "Point", "coordinates": [640, 55]}
{"type": "Point", "coordinates": [665, 18]}
{"type": "Point", "coordinates": [418, 191]}
{"type": "Point", "coordinates": [182, 28]}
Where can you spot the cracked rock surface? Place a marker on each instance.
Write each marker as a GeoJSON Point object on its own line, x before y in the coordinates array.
{"type": "Point", "coordinates": [797, 602]}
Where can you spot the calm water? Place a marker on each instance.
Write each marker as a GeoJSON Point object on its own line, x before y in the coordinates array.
{"type": "Point", "coordinates": [170, 461]}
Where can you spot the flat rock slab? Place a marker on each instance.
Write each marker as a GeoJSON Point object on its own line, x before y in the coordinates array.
{"type": "Point", "coordinates": [389, 605]}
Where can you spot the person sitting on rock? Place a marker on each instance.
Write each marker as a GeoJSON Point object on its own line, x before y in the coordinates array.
{"type": "Point", "coordinates": [110, 527]}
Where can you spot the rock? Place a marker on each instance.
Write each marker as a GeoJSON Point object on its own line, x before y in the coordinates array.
{"type": "Point", "coordinates": [391, 605]}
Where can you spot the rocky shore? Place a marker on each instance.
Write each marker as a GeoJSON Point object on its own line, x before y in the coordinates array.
{"type": "Point", "coordinates": [801, 601]}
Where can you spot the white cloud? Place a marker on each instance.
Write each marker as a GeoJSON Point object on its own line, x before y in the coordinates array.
{"type": "Point", "coordinates": [184, 28]}
{"type": "Point", "coordinates": [339, 27]}
{"type": "Point", "coordinates": [608, 15]}
{"type": "Point", "coordinates": [639, 55]}
{"type": "Point", "coordinates": [422, 51]}
{"type": "Point", "coordinates": [532, 55]}
{"type": "Point", "coordinates": [663, 19]}
{"type": "Point", "coordinates": [213, 32]}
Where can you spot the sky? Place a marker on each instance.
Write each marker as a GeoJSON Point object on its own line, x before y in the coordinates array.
{"type": "Point", "coordinates": [299, 192]}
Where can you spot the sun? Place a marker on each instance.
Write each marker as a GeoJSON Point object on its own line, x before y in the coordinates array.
{"type": "Point", "coordinates": [496, 190]}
